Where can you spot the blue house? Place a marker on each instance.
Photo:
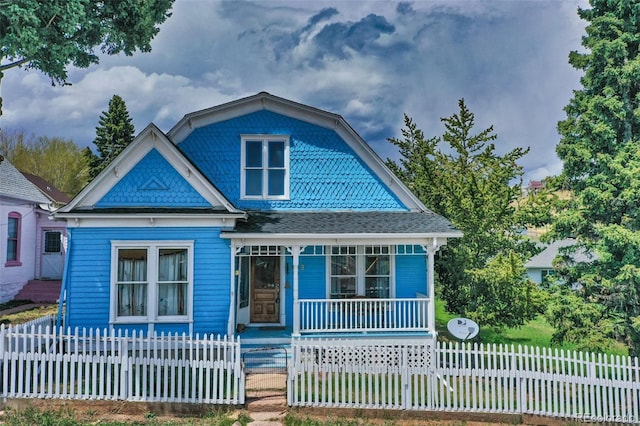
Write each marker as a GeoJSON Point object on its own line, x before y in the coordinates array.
{"type": "Point", "coordinates": [257, 214]}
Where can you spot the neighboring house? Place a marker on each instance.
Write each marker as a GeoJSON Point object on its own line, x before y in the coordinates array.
{"type": "Point", "coordinates": [23, 211]}
{"type": "Point", "coordinates": [51, 236]}
{"type": "Point", "coordinates": [540, 267]}
{"type": "Point", "coordinates": [261, 213]}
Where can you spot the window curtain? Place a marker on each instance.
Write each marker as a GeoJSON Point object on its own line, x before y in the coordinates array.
{"type": "Point", "coordinates": [172, 278]}
{"type": "Point", "coordinates": [132, 297]}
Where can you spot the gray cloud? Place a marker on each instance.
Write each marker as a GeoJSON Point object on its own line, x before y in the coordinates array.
{"type": "Point", "coordinates": [368, 61]}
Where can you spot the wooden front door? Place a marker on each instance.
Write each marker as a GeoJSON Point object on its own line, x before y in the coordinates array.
{"type": "Point", "coordinates": [265, 289]}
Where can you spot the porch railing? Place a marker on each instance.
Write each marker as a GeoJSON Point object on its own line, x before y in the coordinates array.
{"type": "Point", "coordinates": [361, 315]}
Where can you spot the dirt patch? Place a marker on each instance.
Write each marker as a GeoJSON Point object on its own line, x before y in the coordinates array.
{"type": "Point", "coordinates": [124, 411]}
{"type": "Point", "coordinates": [201, 414]}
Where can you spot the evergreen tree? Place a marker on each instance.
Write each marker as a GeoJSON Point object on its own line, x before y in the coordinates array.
{"type": "Point", "coordinates": [600, 148]}
{"type": "Point", "coordinates": [114, 133]}
{"type": "Point", "coordinates": [461, 177]}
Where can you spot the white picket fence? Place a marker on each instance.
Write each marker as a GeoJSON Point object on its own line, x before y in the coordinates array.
{"type": "Point", "coordinates": [39, 361]}
{"type": "Point", "coordinates": [408, 374]}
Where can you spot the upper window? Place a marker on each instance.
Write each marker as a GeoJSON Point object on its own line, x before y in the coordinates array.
{"type": "Point", "coordinates": [152, 281]}
{"type": "Point", "coordinates": [360, 271]}
{"type": "Point", "coordinates": [13, 239]}
{"type": "Point", "coordinates": [265, 167]}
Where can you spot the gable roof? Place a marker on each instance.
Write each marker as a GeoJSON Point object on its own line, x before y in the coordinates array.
{"type": "Point", "coordinates": [268, 102]}
{"type": "Point", "coordinates": [544, 259]}
{"type": "Point", "coordinates": [49, 191]}
{"type": "Point", "coordinates": [150, 138]}
{"type": "Point", "coordinates": [14, 184]}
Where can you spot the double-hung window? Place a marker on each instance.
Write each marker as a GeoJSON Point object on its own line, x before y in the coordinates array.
{"type": "Point", "coordinates": [13, 239]}
{"type": "Point", "coordinates": [364, 271]}
{"type": "Point", "coordinates": [265, 167]}
{"type": "Point", "coordinates": [152, 281]}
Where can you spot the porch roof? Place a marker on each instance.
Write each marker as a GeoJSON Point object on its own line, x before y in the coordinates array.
{"type": "Point", "coordinates": [341, 223]}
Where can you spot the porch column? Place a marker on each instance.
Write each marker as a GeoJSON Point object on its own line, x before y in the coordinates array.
{"type": "Point", "coordinates": [231, 324]}
{"type": "Point", "coordinates": [295, 253]}
{"type": "Point", "coordinates": [432, 248]}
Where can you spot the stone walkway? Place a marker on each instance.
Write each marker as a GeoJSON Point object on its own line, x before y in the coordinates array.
{"type": "Point", "coordinates": [267, 411]}
{"type": "Point", "coordinates": [267, 399]}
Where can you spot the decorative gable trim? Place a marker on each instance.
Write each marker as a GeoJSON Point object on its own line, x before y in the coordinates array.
{"type": "Point", "coordinates": [150, 138]}
{"type": "Point", "coordinates": [335, 122]}
{"type": "Point", "coordinates": [154, 184]}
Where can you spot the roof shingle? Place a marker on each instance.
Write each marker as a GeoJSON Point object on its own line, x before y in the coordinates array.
{"type": "Point", "coordinates": [382, 222]}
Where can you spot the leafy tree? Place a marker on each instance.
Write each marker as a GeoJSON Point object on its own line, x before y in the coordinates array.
{"type": "Point", "coordinates": [50, 35]}
{"type": "Point", "coordinates": [56, 160]}
{"type": "Point", "coordinates": [114, 133]}
{"type": "Point", "coordinates": [461, 177]}
{"type": "Point", "coordinates": [600, 148]}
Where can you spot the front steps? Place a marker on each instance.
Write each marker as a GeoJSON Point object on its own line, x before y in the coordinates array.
{"type": "Point", "coordinates": [40, 291]}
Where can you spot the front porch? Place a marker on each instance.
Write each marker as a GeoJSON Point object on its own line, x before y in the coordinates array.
{"type": "Point", "coordinates": [333, 290]}
{"type": "Point", "coordinates": [336, 273]}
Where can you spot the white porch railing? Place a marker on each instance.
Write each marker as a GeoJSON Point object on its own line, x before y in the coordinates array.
{"type": "Point", "coordinates": [361, 315]}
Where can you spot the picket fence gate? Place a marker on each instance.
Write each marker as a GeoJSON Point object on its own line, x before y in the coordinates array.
{"type": "Point", "coordinates": [38, 361]}
{"type": "Point", "coordinates": [412, 375]}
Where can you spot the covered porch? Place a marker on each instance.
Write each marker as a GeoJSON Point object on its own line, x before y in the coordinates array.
{"type": "Point", "coordinates": [336, 282]}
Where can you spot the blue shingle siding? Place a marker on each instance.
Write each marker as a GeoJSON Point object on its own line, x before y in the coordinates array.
{"type": "Point", "coordinates": [153, 182]}
{"type": "Point", "coordinates": [88, 291]}
{"type": "Point", "coordinates": [325, 173]}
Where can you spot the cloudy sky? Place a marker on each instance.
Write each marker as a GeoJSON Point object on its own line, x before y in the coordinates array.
{"type": "Point", "coordinates": [369, 61]}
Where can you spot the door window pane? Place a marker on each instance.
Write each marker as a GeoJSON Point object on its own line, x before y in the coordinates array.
{"type": "Point", "coordinates": [243, 291]}
{"type": "Point", "coordinates": [52, 242]}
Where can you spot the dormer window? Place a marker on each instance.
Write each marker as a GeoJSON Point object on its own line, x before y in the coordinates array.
{"type": "Point", "coordinates": [265, 167]}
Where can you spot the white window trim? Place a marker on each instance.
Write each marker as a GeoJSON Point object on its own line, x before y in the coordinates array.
{"type": "Point", "coordinates": [360, 271]}
{"type": "Point", "coordinates": [265, 139]}
{"type": "Point", "coordinates": [153, 247]}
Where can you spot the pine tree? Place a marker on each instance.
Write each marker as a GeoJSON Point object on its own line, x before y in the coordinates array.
{"type": "Point", "coordinates": [600, 148]}
{"type": "Point", "coordinates": [462, 177]}
{"type": "Point", "coordinates": [114, 133]}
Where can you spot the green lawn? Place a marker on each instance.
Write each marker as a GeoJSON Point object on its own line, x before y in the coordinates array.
{"type": "Point", "coordinates": [534, 333]}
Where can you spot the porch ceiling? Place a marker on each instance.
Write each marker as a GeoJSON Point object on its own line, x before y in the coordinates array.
{"type": "Point", "coordinates": [339, 224]}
